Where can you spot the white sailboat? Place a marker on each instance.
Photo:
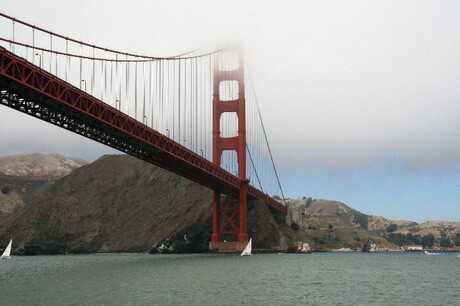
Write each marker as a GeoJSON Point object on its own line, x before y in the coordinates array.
{"type": "Point", "coordinates": [7, 252]}
{"type": "Point", "coordinates": [248, 249]}
{"type": "Point", "coordinates": [428, 253]}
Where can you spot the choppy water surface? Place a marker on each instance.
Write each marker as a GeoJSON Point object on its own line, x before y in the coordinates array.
{"type": "Point", "coordinates": [274, 279]}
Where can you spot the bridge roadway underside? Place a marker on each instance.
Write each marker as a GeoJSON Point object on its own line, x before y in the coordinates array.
{"type": "Point", "coordinates": [32, 103]}
{"type": "Point", "coordinates": [35, 92]}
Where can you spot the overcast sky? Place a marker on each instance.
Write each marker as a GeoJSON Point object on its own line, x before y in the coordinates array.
{"type": "Point", "coordinates": [361, 99]}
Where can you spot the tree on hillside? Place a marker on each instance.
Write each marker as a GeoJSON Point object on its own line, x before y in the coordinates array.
{"type": "Point", "coordinates": [392, 227]}
{"type": "Point", "coordinates": [457, 239]}
{"type": "Point", "coordinates": [362, 220]}
{"type": "Point", "coordinates": [414, 239]}
{"type": "Point", "coordinates": [445, 242]}
{"type": "Point", "coordinates": [309, 201]}
{"type": "Point", "coordinates": [428, 241]}
{"type": "Point", "coordinates": [401, 239]}
{"type": "Point", "coordinates": [397, 238]}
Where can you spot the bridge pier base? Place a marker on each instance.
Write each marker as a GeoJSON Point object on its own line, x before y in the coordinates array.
{"type": "Point", "coordinates": [227, 246]}
{"type": "Point", "coordinates": [243, 211]}
{"type": "Point", "coordinates": [229, 221]}
{"type": "Point", "coordinates": [216, 216]}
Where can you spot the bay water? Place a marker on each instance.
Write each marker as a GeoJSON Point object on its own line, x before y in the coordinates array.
{"type": "Point", "coordinates": [229, 279]}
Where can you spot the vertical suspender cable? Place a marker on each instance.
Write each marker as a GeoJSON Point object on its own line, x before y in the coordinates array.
{"type": "Point", "coordinates": [33, 45]}
{"type": "Point", "coordinates": [104, 90]}
{"type": "Point", "coordinates": [144, 119]}
{"type": "Point", "coordinates": [155, 96]}
{"type": "Point", "coordinates": [150, 93]}
{"type": "Point", "coordinates": [118, 77]}
{"type": "Point", "coordinates": [135, 91]}
{"type": "Point", "coordinates": [80, 81]}
{"type": "Point", "coordinates": [56, 64]}
{"type": "Point", "coordinates": [112, 92]}
{"type": "Point", "coordinates": [102, 81]}
{"type": "Point", "coordinates": [128, 75]}
{"type": "Point", "coordinates": [178, 106]}
{"type": "Point", "coordinates": [192, 106]}
{"type": "Point", "coordinates": [197, 108]}
{"type": "Point", "coordinates": [168, 100]}
{"type": "Point", "coordinates": [160, 95]}
{"type": "Point", "coordinates": [68, 60]}
{"type": "Point", "coordinates": [93, 76]}
{"type": "Point", "coordinates": [51, 54]}
{"type": "Point", "coordinates": [211, 98]}
{"type": "Point", "coordinates": [174, 97]}
{"type": "Point", "coordinates": [12, 46]}
{"type": "Point", "coordinates": [185, 104]}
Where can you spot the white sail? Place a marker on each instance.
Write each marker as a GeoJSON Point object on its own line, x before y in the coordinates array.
{"type": "Point", "coordinates": [7, 252]}
{"type": "Point", "coordinates": [428, 253]}
{"type": "Point", "coordinates": [248, 249]}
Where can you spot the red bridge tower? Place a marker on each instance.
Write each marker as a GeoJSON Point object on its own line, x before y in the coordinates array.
{"type": "Point", "coordinates": [229, 212]}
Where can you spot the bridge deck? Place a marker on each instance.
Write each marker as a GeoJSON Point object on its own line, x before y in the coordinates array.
{"type": "Point", "coordinates": [34, 91]}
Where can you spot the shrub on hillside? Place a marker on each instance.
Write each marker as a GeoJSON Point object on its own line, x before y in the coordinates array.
{"type": "Point", "coordinates": [428, 241]}
{"type": "Point", "coordinates": [457, 239]}
{"type": "Point", "coordinates": [362, 220]}
{"type": "Point", "coordinates": [392, 227]}
{"type": "Point", "coordinates": [402, 239]}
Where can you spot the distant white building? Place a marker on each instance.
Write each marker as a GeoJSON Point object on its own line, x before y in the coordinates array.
{"type": "Point", "coordinates": [414, 247]}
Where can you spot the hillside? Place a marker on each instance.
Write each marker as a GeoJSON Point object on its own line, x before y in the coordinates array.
{"type": "Point", "coordinates": [332, 225]}
{"type": "Point", "coordinates": [444, 233]}
{"type": "Point", "coordinates": [38, 166]}
{"type": "Point", "coordinates": [380, 224]}
{"type": "Point", "coordinates": [24, 177]}
{"type": "Point", "coordinates": [437, 228]}
{"type": "Point", "coordinates": [16, 193]}
{"type": "Point", "coordinates": [122, 204]}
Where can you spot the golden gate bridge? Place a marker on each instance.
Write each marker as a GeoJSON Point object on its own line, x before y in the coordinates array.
{"type": "Point", "coordinates": [191, 113]}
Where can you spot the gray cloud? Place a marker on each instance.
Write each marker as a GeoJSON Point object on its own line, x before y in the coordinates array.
{"type": "Point", "coordinates": [341, 84]}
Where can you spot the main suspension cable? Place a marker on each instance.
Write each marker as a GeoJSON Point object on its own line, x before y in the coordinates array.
{"type": "Point", "coordinates": [266, 141]}
{"type": "Point", "coordinates": [14, 20]}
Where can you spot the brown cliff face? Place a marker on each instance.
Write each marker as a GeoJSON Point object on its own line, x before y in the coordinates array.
{"type": "Point", "coordinates": [121, 204]}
